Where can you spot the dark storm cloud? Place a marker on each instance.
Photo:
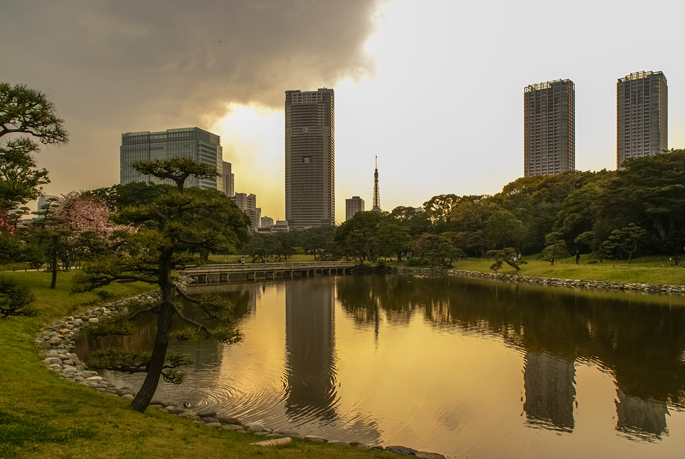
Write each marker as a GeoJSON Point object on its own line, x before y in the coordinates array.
{"type": "Point", "coordinates": [133, 64]}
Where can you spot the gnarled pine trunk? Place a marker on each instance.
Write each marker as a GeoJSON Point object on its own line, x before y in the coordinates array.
{"type": "Point", "coordinates": [156, 364]}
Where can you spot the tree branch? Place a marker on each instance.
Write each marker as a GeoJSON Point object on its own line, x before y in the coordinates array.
{"type": "Point", "coordinates": [190, 321]}
{"type": "Point", "coordinates": [186, 297]}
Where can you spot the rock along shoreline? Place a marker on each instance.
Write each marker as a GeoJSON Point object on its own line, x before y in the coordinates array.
{"type": "Point", "coordinates": [571, 283]}
{"type": "Point", "coordinates": [57, 341]}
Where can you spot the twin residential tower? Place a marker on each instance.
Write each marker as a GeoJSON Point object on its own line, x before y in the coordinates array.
{"type": "Point", "coordinates": [549, 122]}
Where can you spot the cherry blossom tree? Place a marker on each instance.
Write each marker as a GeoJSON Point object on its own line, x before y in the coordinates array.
{"type": "Point", "coordinates": [5, 224]}
{"type": "Point", "coordinates": [84, 212]}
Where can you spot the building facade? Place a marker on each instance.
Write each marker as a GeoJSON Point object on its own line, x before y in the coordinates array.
{"type": "Point", "coordinates": [248, 204]}
{"type": "Point", "coordinates": [352, 206]}
{"type": "Point", "coordinates": [309, 158]}
{"type": "Point", "coordinates": [267, 222]}
{"type": "Point", "coordinates": [281, 226]}
{"type": "Point", "coordinates": [549, 128]}
{"type": "Point", "coordinates": [195, 143]}
{"type": "Point", "coordinates": [228, 179]}
{"type": "Point", "coordinates": [43, 202]}
{"type": "Point", "coordinates": [641, 115]}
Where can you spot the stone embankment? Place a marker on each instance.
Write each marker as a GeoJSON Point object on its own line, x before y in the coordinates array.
{"type": "Point", "coordinates": [572, 283]}
{"type": "Point", "coordinates": [57, 341]}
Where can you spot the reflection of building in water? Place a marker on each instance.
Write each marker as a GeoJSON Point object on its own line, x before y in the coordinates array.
{"type": "Point", "coordinates": [550, 391]}
{"type": "Point", "coordinates": [642, 418]}
{"type": "Point", "coordinates": [310, 342]}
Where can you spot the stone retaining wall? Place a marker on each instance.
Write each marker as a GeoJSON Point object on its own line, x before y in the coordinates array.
{"type": "Point", "coordinates": [573, 283]}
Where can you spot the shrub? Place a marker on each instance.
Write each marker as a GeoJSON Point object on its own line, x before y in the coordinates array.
{"type": "Point", "coordinates": [15, 298]}
{"type": "Point", "coordinates": [117, 325]}
{"type": "Point", "coordinates": [380, 262]}
{"type": "Point", "coordinates": [366, 263]}
{"type": "Point", "coordinates": [184, 334]}
{"type": "Point", "coordinates": [105, 294]}
{"type": "Point", "coordinates": [415, 261]}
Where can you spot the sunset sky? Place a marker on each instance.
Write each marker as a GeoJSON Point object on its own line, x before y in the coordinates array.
{"type": "Point", "coordinates": [433, 87]}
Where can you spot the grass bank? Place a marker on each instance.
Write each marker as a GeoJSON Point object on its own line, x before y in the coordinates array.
{"type": "Point", "coordinates": [43, 416]}
{"type": "Point", "coordinates": [645, 271]}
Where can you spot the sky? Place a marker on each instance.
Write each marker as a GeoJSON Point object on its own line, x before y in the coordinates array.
{"type": "Point", "coordinates": [434, 88]}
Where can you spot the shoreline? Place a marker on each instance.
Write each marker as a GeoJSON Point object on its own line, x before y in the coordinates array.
{"type": "Point", "coordinates": [570, 283]}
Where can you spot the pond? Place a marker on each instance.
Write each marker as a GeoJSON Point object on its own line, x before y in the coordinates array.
{"type": "Point", "coordinates": [461, 367]}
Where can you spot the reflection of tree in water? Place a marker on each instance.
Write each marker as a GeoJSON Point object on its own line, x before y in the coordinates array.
{"type": "Point", "coordinates": [310, 391]}
{"type": "Point", "coordinates": [146, 330]}
{"type": "Point", "coordinates": [362, 297]}
{"type": "Point", "coordinates": [641, 343]}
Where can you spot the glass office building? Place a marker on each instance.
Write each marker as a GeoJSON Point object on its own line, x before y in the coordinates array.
{"type": "Point", "coordinates": [198, 144]}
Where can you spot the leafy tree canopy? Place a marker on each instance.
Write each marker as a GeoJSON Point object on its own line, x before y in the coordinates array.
{"type": "Point", "coordinates": [25, 115]}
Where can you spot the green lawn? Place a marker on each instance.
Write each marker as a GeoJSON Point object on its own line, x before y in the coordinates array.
{"type": "Point", "coordinates": [43, 416]}
{"type": "Point", "coordinates": [645, 271]}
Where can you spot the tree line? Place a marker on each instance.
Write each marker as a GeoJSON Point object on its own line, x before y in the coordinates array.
{"type": "Point", "coordinates": [638, 210]}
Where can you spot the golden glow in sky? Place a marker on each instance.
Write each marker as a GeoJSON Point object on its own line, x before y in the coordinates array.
{"type": "Point", "coordinates": [433, 88]}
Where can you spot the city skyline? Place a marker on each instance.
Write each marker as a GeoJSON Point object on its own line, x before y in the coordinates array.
{"type": "Point", "coordinates": [115, 68]}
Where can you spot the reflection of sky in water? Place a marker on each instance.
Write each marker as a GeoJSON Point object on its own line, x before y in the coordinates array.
{"type": "Point", "coordinates": [463, 368]}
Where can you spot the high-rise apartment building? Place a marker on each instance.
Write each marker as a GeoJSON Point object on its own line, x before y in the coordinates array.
{"type": "Point", "coordinates": [248, 204]}
{"type": "Point", "coordinates": [228, 179]}
{"type": "Point", "coordinates": [641, 115]}
{"type": "Point", "coordinates": [309, 158]}
{"type": "Point", "coordinates": [352, 206]}
{"type": "Point", "coordinates": [549, 128]}
{"type": "Point", "coordinates": [195, 143]}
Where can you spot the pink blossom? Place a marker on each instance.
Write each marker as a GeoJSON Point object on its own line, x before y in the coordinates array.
{"type": "Point", "coordinates": [82, 211]}
{"type": "Point", "coordinates": [5, 224]}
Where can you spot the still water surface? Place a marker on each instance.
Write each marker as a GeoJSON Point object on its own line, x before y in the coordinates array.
{"type": "Point", "coordinates": [461, 367]}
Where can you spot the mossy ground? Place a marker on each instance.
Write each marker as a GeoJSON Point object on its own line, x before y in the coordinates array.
{"type": "Point", "coordinates": [43, 416]}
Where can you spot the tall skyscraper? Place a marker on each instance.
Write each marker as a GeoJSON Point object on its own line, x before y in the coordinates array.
{"type": "Point", "coordinates": [549, 137]}
{"type": "Point", "coordinates": [248, 204]}
{"type": "Point", "coordinates": [352, 206]}
{"type": "Point", "coordinates": [309, 158]}
{"type": "Point", "coordinates": [641, 115]}
{"type": "Point", "coordinates": [195, 143]}
{"type": "Point", "coordinates": [228, 179]}
{"type": "Point", "coordinates": [376, 192]}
